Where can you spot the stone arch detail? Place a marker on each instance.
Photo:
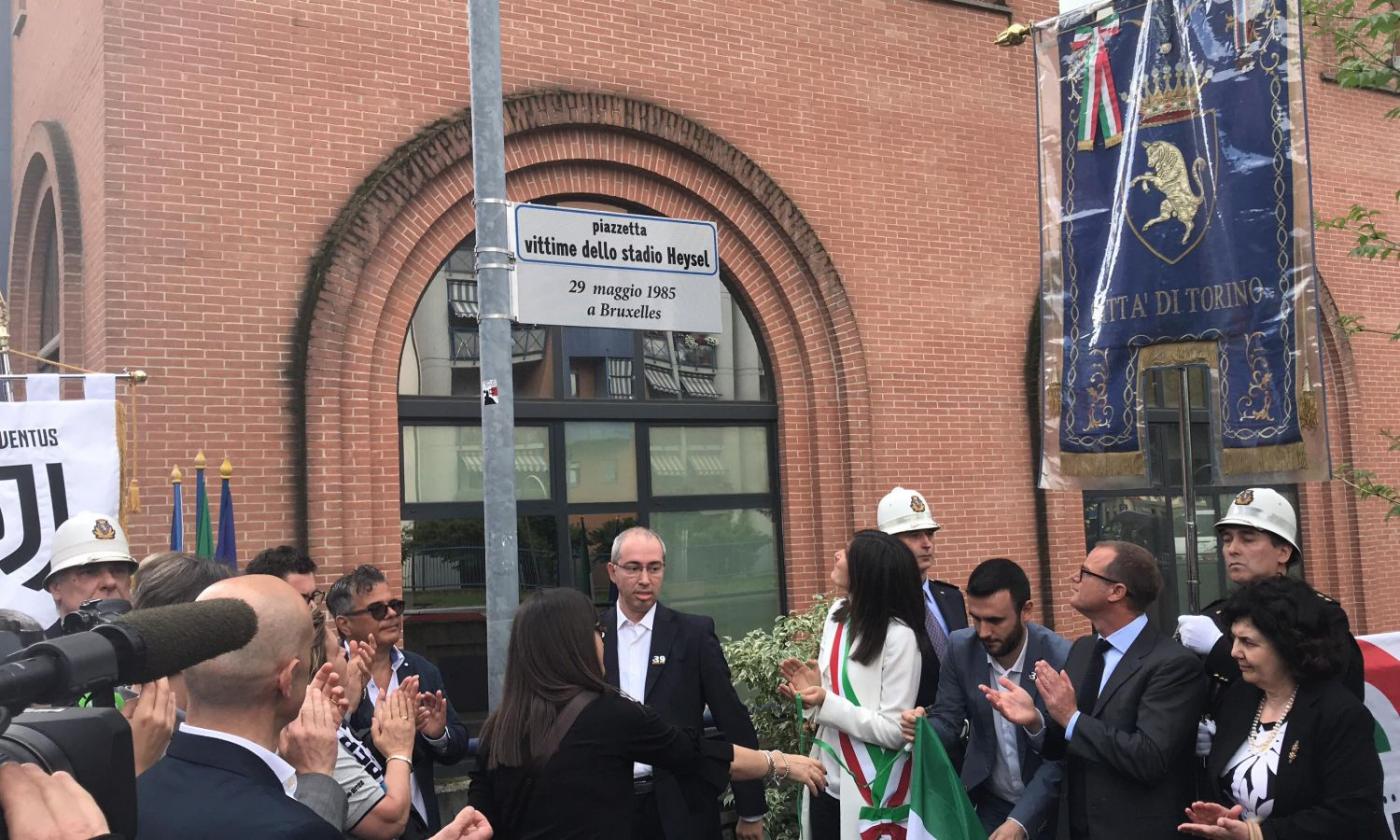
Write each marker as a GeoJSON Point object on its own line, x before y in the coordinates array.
{"type": "Point", "coordinates": [382, 249]}
{"type": "Point", "coordinates": [50, 170]}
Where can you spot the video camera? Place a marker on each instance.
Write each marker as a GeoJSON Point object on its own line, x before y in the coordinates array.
{"type": "Point", "coordinates": [120, 648]}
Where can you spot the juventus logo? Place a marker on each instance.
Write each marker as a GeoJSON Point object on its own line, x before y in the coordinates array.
{"type": "Point", "coordinates": [26, 521]}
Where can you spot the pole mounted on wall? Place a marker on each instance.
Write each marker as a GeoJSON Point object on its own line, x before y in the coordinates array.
{"type": "Point", "coordinates": [493, 263]}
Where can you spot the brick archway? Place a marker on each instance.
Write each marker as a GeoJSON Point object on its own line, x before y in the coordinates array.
{"type": "Point", "coordinates": [50, 178]}
{"type": "Point", "coordinates": [380, 253]}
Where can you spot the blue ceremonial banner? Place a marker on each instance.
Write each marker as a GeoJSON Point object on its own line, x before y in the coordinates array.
{"type": "Point", "coordinates": [1177, 229]}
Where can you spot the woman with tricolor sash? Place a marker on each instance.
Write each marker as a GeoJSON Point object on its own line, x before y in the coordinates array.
{"type": "Point", "coordinates": [866, 673]}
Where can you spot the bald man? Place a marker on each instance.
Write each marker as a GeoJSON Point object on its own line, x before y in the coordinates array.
{"type": "Point", "coordinates": [221, 778]}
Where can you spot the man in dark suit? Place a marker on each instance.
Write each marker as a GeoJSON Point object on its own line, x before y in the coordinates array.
{"type": "Point", "coordinates": [1014, 791]}
{"type": "Point", "coordinates": [221, 777]}
{"type": "Point", "coordinates": [1123, 712]}
{"type": "Point", "coordinates": [366, 612]}
{"type": "Point", "coordinates": [672, 662]}
{"type": "Point", "coordinates": [907, 514]}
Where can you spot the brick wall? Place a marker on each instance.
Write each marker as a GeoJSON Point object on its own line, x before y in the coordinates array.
{"type": "Point", "coordinates": [218, 142]}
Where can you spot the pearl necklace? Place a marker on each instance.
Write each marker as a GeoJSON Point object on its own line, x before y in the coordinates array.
{"type": "Point", "coordinates": [1262, 746]}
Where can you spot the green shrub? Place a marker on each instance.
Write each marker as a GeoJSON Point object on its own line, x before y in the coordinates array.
{"type": "Point", "coordinates": [753, 660]}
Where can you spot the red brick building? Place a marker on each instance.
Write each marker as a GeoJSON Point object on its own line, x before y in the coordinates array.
{"type": "Point", "coordinates": [258, 203]}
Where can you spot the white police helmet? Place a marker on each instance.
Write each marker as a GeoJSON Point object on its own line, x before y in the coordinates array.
{"type": "Point", "coordinates": [87, 538]}
{"type": "Point", "coordinates": [904, 510]}
{"type": "Point", "coordinates": [1266, 510]}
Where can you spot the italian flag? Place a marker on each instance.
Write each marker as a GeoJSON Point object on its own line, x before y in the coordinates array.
{"type": "Point", "coordinates": [938, 806]}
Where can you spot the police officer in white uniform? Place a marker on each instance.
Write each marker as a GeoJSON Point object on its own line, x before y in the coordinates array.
{"type": "Point", "coordinates": [89, 559]}
{"type": "Point", "coordinates": [1258, 539]}
{"type": "Point", "coordinates": [906, 514]}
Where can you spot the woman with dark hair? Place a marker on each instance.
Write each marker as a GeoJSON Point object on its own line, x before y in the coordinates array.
{"type": "Point", "coordinates": [1294, 755]}
{"type": "Point", "coordinates": [556, 755]}
{"type": "Point", "coordinates": [867, 673]}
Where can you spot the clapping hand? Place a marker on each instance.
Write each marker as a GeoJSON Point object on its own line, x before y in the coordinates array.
{"type": "Point", "coordinates": [394, 720]}
{"type": "Point", "coordinates": [309, 742]}
{"type": "Point", "coordinates": [1014, 703]}
{"type": "Point", "coordinates": [1213, 820]}
{"type": "Point", "coordinates": [152, 719]}
{"type": "Point", "coordinates": [432, 714]}
{"type": "Point", "coordinates": [802, 679]}
{"type": "Point", "coordinates": [359, 657]}
{"type": "Point", "coordinates": [1057, 692]}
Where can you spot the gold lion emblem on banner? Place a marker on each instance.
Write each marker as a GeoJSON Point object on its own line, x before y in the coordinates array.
{"type": "Point", "coordinates": [1246, 497]}
{"type": "Point", "coordinates": [917, 505]}
{"type": "Point", "coordinates": [1166, 170]}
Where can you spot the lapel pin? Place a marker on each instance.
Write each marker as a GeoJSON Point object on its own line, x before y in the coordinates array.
{"type": "Point", "coordinates": [658, 660]}
{"type": "Point", "coordinates": [1293, 753]}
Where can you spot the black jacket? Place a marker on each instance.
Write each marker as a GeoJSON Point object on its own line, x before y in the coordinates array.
{"type": "Point", "coordinates": [208, 789]}
{"type": "Point", "coordinates": [954, 610]}
{"type": "Point", "coordinates": [1329, 782]}
{"type": "Point", "coordinates": [1129, 764]}
{"type": "Point", "coordinates": [424, 754]}
{"type": "Point", "coordinates": [687, 673]}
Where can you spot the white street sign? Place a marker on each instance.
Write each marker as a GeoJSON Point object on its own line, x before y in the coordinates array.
{"type": "Point", "coordinates": [588, 268]}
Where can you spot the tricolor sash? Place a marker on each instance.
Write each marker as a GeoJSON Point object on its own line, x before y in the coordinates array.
{"type": "Point", "coordinates": [881, 775]}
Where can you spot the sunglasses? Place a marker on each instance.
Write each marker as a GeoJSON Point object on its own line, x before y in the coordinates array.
{"type": "Point", "coordinates": [379, 610]}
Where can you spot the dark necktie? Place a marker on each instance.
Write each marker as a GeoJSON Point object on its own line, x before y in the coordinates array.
{"type": "Point", "coordinates": [936, 636]}
{"type": "Point", "coordinates": [1088, 693]}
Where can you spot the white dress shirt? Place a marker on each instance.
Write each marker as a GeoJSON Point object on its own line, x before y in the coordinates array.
{"type": "Point", "coordinates": [1005, 780]}
{"type": "Point", "coordinates": [633, 659]}
{"type": "Point", "coordinates": [285, 773]}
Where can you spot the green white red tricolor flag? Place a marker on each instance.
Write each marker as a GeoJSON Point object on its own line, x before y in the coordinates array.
{"type": "Point", "coordinates": [938, 806]}
{"type": "Point", "coordinates": [1382, 653]}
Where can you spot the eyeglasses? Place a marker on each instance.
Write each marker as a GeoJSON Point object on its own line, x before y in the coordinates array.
{"type": "Point", "coordinates": [1079, 576]}
{"type": "Point", "coordinates": [636, 569]}
{"type": "Point", "coordinates": [314, 598]}
{"type": "Point", "coordinates": [379, 610]}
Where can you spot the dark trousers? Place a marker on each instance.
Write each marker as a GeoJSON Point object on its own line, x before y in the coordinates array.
{"type": "Point", "coordinates": [646, 818]}
{"type": "Point", "coordinates": [825, 817]}
{"type": "Point", "coordinates": [992, 810]}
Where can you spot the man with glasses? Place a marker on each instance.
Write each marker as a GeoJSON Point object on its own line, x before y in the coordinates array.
{"type": "Point", "coordinates": [1123, 712]}
{"type": "Point", "coordinates": [672, 661]}
{"type": "Point", "coordinates": [365, 611]}
{"type": "Point", "coordinates": [292, 565]}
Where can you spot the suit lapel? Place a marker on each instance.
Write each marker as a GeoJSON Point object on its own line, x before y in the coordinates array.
{"type": "Point", "coordinates": [949, 605]}
{"type": "Point", "coordinates": [1128, 665]}
{"type": "Point", "coordinates": [1301, 721]}
{"type": "Point", "coordinates": [609, 622]}
{"type": "Point", "coordinates": [663, 635]}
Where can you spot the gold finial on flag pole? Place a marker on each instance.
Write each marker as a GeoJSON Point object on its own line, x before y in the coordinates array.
{"type": "Point", "coordinates": [176, 476]}
{"type": "Point", "coordinates": [1013, 35]}
{"type": "Point", "coordinates": [199, 461]}
{"type": "Point", "coordinates": [226, 470]}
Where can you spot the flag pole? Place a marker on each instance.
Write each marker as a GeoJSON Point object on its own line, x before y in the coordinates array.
{"type": "Point", "coordinates": [177, 513]}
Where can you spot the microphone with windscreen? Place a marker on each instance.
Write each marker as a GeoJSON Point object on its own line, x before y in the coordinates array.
{"type": "Point", "coordinates": [137, 647]}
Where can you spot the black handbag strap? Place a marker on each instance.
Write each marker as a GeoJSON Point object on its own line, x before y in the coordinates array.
{"type": "Point", "coordinates": [543, 752]}
{"type": "Point", "coordinates": [546, 749]}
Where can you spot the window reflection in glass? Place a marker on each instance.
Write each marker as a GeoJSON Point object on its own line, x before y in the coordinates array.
{"type": "Point", "coordinates": [590, 543]}
{"type": "Point", "coordinates": [599, 363]}
{"type": "Point", "coordinates": [442, 352]}
{"type": "Point", "coordinates": [444, 463]}
{"type": "Point", "coordinates": [696, 460]}
{"type": "Point", "coordinates": [601, 462]}
{"type": "Point", "coordinates": [444, 560]}
{"type": "Point", "coordinates": [721, 563]}
{"type": "Point", "coordinates": [706, 366]}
